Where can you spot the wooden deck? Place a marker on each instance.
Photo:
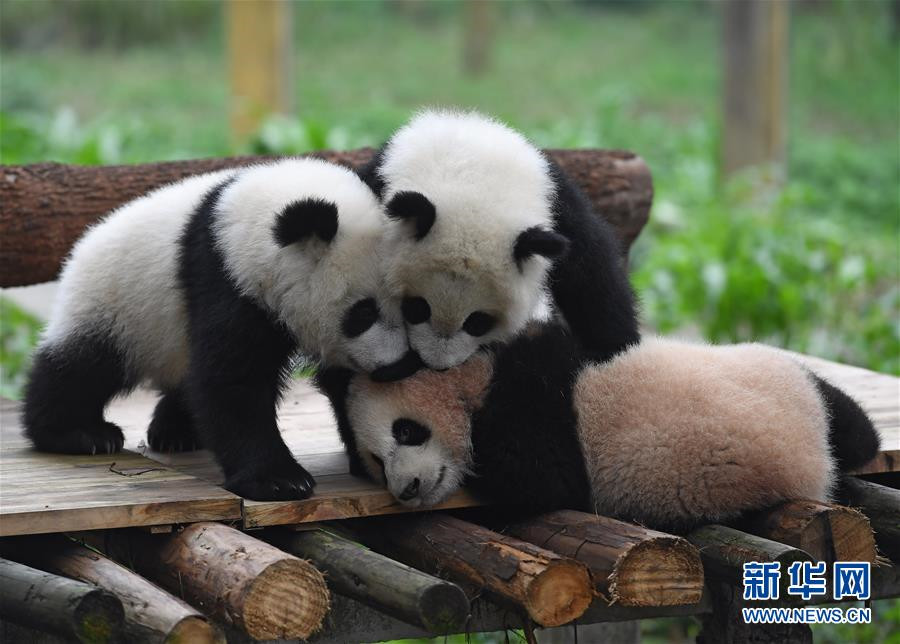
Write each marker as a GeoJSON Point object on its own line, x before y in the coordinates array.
{"type": "Point", "coordinates": [54, 493]}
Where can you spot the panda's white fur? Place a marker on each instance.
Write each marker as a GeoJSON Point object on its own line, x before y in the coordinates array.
{"type": "Point", "coordinates": [488, 184]}
{"type": "Point", "coordinates": [121, 276]}
{"type": "Point", "coordinates": [670, 433]}
{"type": "Point", "coordinates": [120, 281]}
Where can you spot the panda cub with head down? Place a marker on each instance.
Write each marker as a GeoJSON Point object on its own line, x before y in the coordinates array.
{"type": "Point", "coordinates": [205, 289]}
{"type": "Point", "coordinates": [485, 227]}
{"type": "Point", "coordinates": [668, 434]}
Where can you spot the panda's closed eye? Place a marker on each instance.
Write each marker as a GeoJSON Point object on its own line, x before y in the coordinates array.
{"type": "Point", "coordinates": [409, 432]}
{"type": "Point", "coordinates": [479, 323]}
{"type": "Point", "coordinates": [360, 317]}
{"type": "Point", "coordinates": [415, 310]}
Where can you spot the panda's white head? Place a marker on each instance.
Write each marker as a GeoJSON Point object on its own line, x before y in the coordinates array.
{"type": "Point", "coordinates": [306, 238]}
{"type": "Point", "coordinates": [471, 237]}
{"type": "Point", "coordinates": [415, 435]}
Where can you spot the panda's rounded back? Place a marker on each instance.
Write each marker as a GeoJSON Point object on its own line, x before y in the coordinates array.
{"type": "Point", "coordinates": [675, 432]}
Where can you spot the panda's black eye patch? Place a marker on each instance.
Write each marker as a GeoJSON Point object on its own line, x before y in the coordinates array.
{"type": "Point", "coordinates": [479, 323]}
{"type": "Point", "coordinates": [409, 432]}
{"type": "Point", "coordinates": [360, 317]}
{"type": "Point", "coordinates": [415, 310]}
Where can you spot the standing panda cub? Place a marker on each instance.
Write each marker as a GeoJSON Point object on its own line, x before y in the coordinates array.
{"type": "Point", "coordinates": [485, 227]}
{"type": "Point", "coordinates": [668, 434]}
{"type": "Point", "coordinates": [205, 289]}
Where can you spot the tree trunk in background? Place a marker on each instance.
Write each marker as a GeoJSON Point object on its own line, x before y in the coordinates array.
{"type": "Point", "coordinates": [260, 56]}
{"type": "Point", "coordinates": [755, 84]}
{"type": "Point", "coordinates": [477, 35]}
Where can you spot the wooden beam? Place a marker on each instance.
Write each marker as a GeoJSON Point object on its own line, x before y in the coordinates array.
{"type": "Point", "coordinates": [630, 565]}
{"type": "Point", "coordinates": [552, 590]}
{"type": "Point", "coordinates": [351, 569]}
{"type": "Point", "coordinates": [229, 575]}
{"type": "Point", "coordinates": [881, 505]}
{"type": "Point", "coordinates": [827, 532]}
{"type": "Point", "coordinates": [50, 603]}
{"type": "Point", "coordinates": [260, 56]}
{"type": "Point", "coordinates": [478, 28]}
{"type": "Point", "coordinates": [755, 82]}
{"type": "Point", "coordinates": [45, 207]}
{"type": "Point", "coordinates": [151, 614]}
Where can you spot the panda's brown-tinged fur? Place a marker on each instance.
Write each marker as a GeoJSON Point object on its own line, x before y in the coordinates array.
{"type": "Point", "coordinates": [668, 434]}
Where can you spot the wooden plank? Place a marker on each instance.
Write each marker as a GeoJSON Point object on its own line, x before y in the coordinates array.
{"type": "Point", "coordinates": [42, 493]}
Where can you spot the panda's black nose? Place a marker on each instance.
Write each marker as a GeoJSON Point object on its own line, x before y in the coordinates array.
{"type": "Point", "coordinates": [411, 490]}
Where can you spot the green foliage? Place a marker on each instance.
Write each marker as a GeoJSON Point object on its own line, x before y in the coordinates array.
{"type": "Point", "coordinates": [18, 334]}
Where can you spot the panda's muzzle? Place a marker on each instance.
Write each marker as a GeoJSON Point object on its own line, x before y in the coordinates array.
{"type": "Point", "coordinates": [403, 368]}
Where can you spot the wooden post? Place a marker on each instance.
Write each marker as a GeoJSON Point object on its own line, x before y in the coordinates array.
{"type": "Point", "coordinates": [228, 574]}
{"type": "Point", "coordinates": [881, 505]}
{"type": "Point", "coordinates": [755, 82]}
{"type": "Point", "coordinates": [50, 603]}
{"type": "Point", "coordinates": [631, 566]}
{"type": "Point", "coordinates": [151, 614]}
{"type": "Point", "coordinates": [552, 590]}
{"type": "Point", "coordinates": [828, 532]}
{"type": "Point", "coordinates": [477, 35]}
{"type": "Point", "coordinates": [391, 587]}
{"type": "Point", "coordinates": [260, 56]}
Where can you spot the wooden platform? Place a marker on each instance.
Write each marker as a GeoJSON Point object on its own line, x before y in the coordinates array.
{"type": "Point", "coordinates": [53, 493]}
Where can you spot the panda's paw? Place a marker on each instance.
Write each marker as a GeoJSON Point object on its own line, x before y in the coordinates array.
{"type": "Point", "coordinates": [98, 438]}
{"type": "Point", "coordinates": [282, 483]}
{"type": "Point", "coordinates": [171, 437]}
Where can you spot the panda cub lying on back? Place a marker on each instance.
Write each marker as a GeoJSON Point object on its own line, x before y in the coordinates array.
{"type": "Point", "coordinates": [205, 289]}
{"type": "Point", "coordinates": [668, 434]}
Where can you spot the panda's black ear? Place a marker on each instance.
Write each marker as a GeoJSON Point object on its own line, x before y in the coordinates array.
{"type": "Point", "coordinates": [302, 219]}
{"type": "Point", "coordinates": [537, 241]}
{"type": "Point", "coordinates": [415, 208]}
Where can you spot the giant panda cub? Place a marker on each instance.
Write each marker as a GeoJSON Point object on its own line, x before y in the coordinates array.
{"type": "Point", "coordinates": [205, 289]}
{"type": "Point", "coordinates": [668, 434]}
{"type": "Point", "coordinates": [483, 226]}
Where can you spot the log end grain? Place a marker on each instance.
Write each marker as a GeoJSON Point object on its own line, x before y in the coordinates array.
{"type": "Point", "coordinates": [444, 608]}
{"type": "Point", "coordinates": [196, 629]}
{"type": "Point", "coordinates": [852, 535]}
{"type": "Point", "coordinates": [98, 617]}
{"type": "Point", "coordinates": [288, 600]}
{"type": "Point", "coordinates": [560, 593]}
{"type": "Point", "coordinates": [661, 571]}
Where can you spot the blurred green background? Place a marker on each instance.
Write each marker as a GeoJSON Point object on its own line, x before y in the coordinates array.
{"type": "Point", "coordinates": [811, 263]}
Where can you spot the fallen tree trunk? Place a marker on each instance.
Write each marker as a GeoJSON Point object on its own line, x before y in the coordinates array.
{"type": "Point", "coordinates": [631, 565]}
{"type": "Point", "coordinates": [552, 590]}
{"type": "Point", "coordinates": [881, 505]}
{"type": "Point", "coordinates": [230, 575]}
{"type": "Point", "coordinates": [45, 207]}
{"type": "Point", "coordinates": [50, 603]}
{"type": "Point", "coordinates": [827, 532]}
{"type": "Point", "coordinates": [151, 614]}
{"type": "Point", "coordinates": [394, 588]}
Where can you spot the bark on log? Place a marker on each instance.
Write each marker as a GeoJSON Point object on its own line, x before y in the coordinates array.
{"type": "Point", "coordinates": [631, 566]}
{"type": "Point", "coordinates": [435, 604]}
{"type": "Point", "coordinates": [50, 603]}
{"type": "Point", "coordinates": [725, 551]}
{"type": "Point", "coordinates": [881, 505]}
{"type": "Point", "coordinates": [45, 207]}
{"type": "Point", "coordinates": [229, 575]}
{"type": "Point", "coordinates": [151, 614]}
{"type": "Point", "coordinates": [827, 532]}
{"type": "Point", "coordinates": [552, 590]}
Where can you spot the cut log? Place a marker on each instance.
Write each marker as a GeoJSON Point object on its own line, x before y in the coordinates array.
{"type": "Point", "coordinates": [50, 603]}
{"type": "Point", "coordinates": [827, 532]}
{"type": "Point", "coordinates": [229, 575]}
{"type": "Point", "coordinates": [151, 614]}
{"type": "Point", "coordinates": [725, 551]}
{"type": "Point", "coordinates": [394, 588]}
{"type": "Point", "coordinates": [881, 505]}
{"type": "Point", "coordinates": [552, 590]}
{"type": "Point", "coordinates": [45, 207]}
{"type": "Point", "coordinates": [631, 566]}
